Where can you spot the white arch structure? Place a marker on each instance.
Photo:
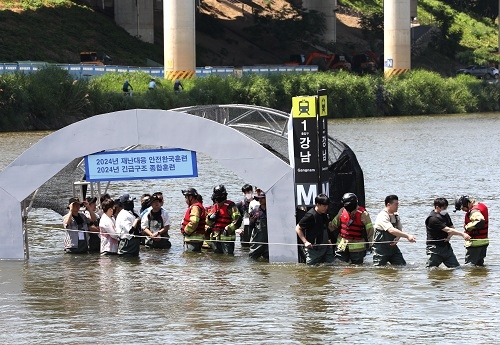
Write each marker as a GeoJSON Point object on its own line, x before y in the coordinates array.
{"type": "Point", "coordinates": [149, 127]}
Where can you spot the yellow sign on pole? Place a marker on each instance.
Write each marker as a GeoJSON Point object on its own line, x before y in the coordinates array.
{"type": "Point", "coordinates": [304, 106]}
{"type": "Point", "coordinates": [323, 111]}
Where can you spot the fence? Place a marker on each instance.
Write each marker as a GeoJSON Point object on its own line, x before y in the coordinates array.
{"type": "Point", "coordinates": [84, 71]}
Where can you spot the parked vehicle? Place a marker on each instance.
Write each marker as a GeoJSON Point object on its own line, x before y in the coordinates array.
{"type": "Point", "coordinates": [93, 58]}
{"type": "Point", "coordinates": [483, 72]}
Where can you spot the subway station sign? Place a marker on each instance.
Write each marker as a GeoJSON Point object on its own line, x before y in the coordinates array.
{"type": "Point", "coordinates": [141, 165]}
{"type": "Point", "coordinates": [310, 146]}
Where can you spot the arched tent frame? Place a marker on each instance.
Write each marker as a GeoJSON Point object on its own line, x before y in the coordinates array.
{"type": "Point", "coordinates": [166, 128]}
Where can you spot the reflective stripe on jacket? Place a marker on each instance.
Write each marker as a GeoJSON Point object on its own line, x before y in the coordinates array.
{"type": "Point", "coordinates": [481, 233]}
{"type": "Point", "coordinates": [199, 232]}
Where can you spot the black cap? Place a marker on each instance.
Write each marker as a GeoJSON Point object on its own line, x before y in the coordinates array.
{"type": "Point", "coordinates": [73, 200]}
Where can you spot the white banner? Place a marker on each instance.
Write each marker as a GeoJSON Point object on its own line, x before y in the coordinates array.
{"type": "Point", "coordinates": [141, 165]}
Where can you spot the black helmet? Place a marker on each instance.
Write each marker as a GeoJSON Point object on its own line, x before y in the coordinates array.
{"type": "Point", "coordinates": [220, 193]}
{"type": "Point", "coordinates": [246, 187]}
{"type": "Point", "coordinates": [350, 201]}
{"type": "Point", "coordinates": [189, 191]}
{"type": "Point", "coordinates": [349, 198]}
{"type": "Point", "coordinates": [220, 190]}
{"type": "Point", "coordinates": [461, 201]}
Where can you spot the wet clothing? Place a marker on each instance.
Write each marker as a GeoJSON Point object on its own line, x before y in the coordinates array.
{"type": "Point", "coordinates": [244, 208]}
{"type": "Point", "coordinates": [94, 239]}
{"type": "Point", "coordinates": [355, 233]}
{"type": "Point", "coordinates": [314, 226]}
{"type": "Point", "coordinates": [437, 255]}
{"type": "Point", "coordinates": [76, 241]}
{"type": "Point", "coordinates": [156, 221]}
{"type": "Point", "coordinates": [109, 237]}
{"type": "Point", "coordinates": [258, 227]}
{"type": "Point", "coordinates": [129, 244]}
{"type": "Point", "coordinates": [437, 249]}
{"type": "Point", "coordinates": [223, 228]}
{"type": "Point", "coordinates": [476, 225]}
{"type": "Point", "coordinates": [384, 253]}
{"type": "Point", "coordinates": [193, 227]}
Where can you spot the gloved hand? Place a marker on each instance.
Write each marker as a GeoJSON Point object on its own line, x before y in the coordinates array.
{"type": "Point", "coordinates": [213, 217]}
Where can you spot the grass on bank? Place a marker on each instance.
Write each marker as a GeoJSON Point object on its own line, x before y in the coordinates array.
{"type": "Point", "coordinates": [57, 31]}
{"type": "Point", "coordinates": [51, 99]}
{"type": "Point", "coordinates": [477, 36]}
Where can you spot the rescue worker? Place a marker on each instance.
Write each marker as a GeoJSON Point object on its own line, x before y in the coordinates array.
{"type": "Point", "coordinates": [222, 220]}
{"type": "Point", "coordinates": [476, 225]}
{"type": "Point", "coordinates": [355, 230]}
{"type": "Point", "coordinates": [439, 231]}
{"type": "Point", "coordinates": [258, 228]}
{"type": "Point", "coordinates": [312, 230]}
{"type": "Point", "coordinates": [388, 231]}
{"type": "Point", "coordinates": [193, 224]}
{"type": "Point", "coordinates": [244, 208]}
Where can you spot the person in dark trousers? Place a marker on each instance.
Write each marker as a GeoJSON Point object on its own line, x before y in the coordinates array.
{"type": "Point", "coordinates": [388, 231]}
{"type": "Point", "coordinates": [355, 230]}
{"type": "Point", "coordinates": [193, 224]}
{"type": "Point", "coordinates": [313, 232]}
{"type": "Point", "coordinates": [475, 225]}
{"type": "Point", "coordinates": [439, 231]}
{"type": "Point", "coordinates": [223, 218]}
{"type": "Point", "coordinates": [258, 228]}
{"type": "Point", "coordinates": [244, 208]}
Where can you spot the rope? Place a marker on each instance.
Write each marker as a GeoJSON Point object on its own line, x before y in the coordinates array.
{"type": "Point", "coordinates": [271, 243]}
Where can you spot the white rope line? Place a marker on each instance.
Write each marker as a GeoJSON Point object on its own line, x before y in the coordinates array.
{"type": "Point", "coordinates": [272, 243]}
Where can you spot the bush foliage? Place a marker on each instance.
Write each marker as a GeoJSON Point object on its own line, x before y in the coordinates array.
{"type": "Point", "coordinates": [51, 98]}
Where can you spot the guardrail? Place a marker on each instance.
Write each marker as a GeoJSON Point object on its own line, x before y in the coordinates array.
{"type": "Point", "coordinates": [84, 71]}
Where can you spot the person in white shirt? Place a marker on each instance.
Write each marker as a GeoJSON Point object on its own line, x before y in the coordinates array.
{"type": "Point", "coordinates": [109, 237]}
{"type": "Point", "coordinates": [388, 231]}
{"type": "Point", "coordinates": [128, 227]}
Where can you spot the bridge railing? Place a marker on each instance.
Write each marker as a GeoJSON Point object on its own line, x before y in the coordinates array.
{"type": "Point", "coordinates": [84, 71]}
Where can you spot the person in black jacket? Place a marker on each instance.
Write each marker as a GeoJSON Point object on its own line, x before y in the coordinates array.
{"type": "Point", "coordinates": [439, 231]}
{"type": "Point", "coordinates": [313, 232]}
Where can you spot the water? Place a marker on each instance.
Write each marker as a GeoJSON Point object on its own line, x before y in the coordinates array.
{"type": "Point", "coordinates": [177, 297]}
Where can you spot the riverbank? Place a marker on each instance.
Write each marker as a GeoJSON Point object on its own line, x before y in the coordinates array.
{"type": "Point", "coordinates": [51, 99]}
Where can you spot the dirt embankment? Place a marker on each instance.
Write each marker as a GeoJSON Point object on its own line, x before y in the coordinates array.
{"type": "Point", "coordinates": [236, 47]}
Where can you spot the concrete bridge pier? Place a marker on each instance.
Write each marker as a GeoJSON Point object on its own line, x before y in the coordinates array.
{"type": "Point", "coordinates": [179, 38]}
{"type": "Point", "coordinates": [328, 8]}
{"type": "Point", "coordinates": [397, 37]}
